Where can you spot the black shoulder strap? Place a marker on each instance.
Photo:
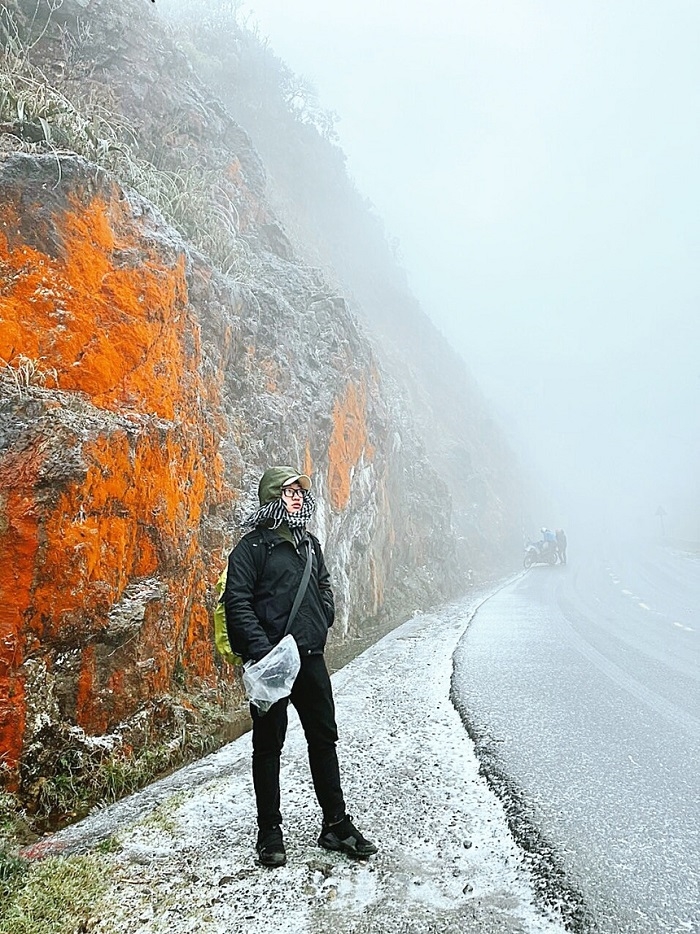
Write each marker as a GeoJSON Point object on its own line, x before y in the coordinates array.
{"type": "Point", "coordinates": [302, 588]}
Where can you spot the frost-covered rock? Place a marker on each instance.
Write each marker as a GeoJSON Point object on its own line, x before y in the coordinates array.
{"type": "Point", "coordinates": [143, 389]}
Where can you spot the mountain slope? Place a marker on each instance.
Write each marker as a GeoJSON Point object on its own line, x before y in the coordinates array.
{"type": "Point", "coordinates": [163, 339]}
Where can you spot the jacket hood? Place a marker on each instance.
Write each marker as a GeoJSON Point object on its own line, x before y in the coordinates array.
{"type": "Point", "coordinates": [274, 478]}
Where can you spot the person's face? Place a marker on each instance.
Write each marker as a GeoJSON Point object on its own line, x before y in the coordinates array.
{"type": "Point", "coordinates": [292, 497]}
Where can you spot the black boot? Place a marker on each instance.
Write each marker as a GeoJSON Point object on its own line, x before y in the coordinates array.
{"type": "Point", "coordinates": [270, 847]}
{"type": "Point", "coordinates": [343, 836]}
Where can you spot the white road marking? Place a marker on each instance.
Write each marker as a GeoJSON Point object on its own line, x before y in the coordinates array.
{"type": "Point", "coordinates": [686, 628]}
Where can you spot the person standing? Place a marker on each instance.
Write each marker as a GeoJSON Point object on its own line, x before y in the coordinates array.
{"type": "Point", "coordinates": [561, 546]}
{"type": "Point", "coordinates": [549, 544]}
{"type": "Point", "coordinates": [264, 572]}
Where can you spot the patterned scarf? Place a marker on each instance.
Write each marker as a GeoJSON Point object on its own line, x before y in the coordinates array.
{"type": "Point", "coordinates": [273, 514]}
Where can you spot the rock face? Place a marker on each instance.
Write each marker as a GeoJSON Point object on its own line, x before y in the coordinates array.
{"type": "Point", "coordinates": [145, 392]}
{"type": "Point", "coordinates": [142, 393]}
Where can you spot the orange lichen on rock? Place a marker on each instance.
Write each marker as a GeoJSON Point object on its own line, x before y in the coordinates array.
{"type": "Point", "coordinates": [86, 682]}
{"type": "Point", "coordinates": [308, 461]}
{"type": "Point", "coordinates": [135, 510]}
{"type": "Point", "coordinates": [125, 535]}
{"type": "Point", "coordinates": [19, 536]}
{"type": "Point", "coordinates": [107, 551]}
{"type": "Point", "coordinates": [349, 441]}
{"type": "Point", "coordinates": [107, 313]}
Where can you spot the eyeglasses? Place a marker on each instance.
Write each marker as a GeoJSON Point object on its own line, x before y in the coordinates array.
{"type": "Point", "coordinates": [290, 494]}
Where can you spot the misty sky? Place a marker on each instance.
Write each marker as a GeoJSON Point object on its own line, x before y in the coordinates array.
{"type": "Point", "coordinates": [538, 162]}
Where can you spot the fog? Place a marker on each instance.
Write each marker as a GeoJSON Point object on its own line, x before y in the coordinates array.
{"type": "Point", "coordinates": [537, 163]}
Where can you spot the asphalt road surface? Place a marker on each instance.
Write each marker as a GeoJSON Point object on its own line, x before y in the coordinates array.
{"type": "Point", "coordinates": [581, 687]}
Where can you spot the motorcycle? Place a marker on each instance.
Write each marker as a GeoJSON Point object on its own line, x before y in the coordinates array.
{"type": "Point", "coordinates": [539, 553]}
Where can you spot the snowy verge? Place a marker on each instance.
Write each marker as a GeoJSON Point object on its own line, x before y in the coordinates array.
{"type": "Point", "coordinates": [447, 862]}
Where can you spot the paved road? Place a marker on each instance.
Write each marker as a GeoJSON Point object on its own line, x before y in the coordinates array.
{"type": "Point", "coordinates": [582, 686]}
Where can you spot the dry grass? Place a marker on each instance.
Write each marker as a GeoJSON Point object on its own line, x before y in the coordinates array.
{"type": "Point", "coordinates": [24, 372]}
{"type": "Point", "coordinates": [42, 117]}
{"type": "Point", "coordinates": [55, 896]}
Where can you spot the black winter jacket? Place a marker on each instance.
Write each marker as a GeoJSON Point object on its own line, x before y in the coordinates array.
{"type": "Point", "coordinates": [264, 573]}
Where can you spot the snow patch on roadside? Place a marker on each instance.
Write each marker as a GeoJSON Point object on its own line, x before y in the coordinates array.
{"type": "Point", "coordinates": [446, 863]}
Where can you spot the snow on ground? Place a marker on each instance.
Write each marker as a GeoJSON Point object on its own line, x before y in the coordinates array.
{"type": "Point", "coordinates": [446, 862]}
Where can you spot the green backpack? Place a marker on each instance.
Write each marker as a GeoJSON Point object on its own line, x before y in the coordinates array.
{"type": "Point", "coordinates": [220, 633]}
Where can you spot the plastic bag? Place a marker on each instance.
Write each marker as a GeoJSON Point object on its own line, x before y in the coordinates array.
{"type": "Point", "coordinates": [272, 678]}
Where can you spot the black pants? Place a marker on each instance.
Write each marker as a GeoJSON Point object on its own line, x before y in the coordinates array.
{"type": "Point", "coordinates": [312, 697]}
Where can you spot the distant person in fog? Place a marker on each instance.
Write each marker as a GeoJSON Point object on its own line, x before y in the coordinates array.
{"type": "Point", "coordinates": [561, 546]}
{"type": "Point", "coordinates": [549, 541]}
